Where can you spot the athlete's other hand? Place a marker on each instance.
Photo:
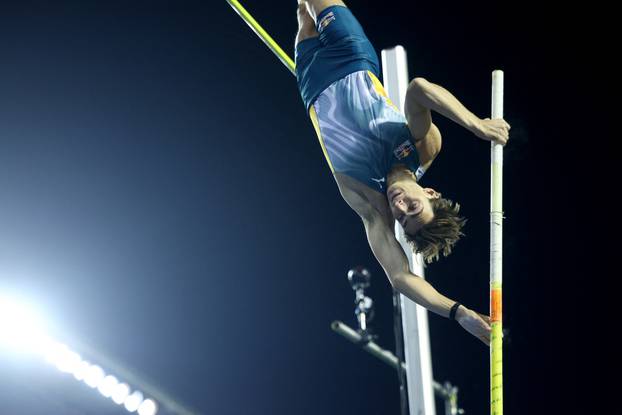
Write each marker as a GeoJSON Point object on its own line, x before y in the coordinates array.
{"type": "Point", "coordinates": [475, 323]}
{"type": "Point", "coordinates": [497, 130]}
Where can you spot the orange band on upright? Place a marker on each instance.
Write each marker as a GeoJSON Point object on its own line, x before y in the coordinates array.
{"type": "Point", "coordinates": [495, 305]}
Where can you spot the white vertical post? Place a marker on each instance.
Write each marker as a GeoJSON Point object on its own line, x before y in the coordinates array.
{"type": "Point", "coordinates": [496, 250]}
{"type": "Point", "coordinates": [414, 317]}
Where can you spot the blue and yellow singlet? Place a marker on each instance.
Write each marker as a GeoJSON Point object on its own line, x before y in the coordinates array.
{"type": "Point", "coordinates": [362, 133]}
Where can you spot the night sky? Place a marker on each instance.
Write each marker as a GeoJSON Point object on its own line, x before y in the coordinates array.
{"type": "Point", "coordinates": [164, 199]}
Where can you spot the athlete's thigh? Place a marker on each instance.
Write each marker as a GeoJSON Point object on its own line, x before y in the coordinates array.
{"type": "Point", "coordinates": [317, 6]}
{"type": "Point", "coordinates": [306, 24]}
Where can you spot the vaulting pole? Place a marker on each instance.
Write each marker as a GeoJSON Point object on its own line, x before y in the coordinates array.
{"type": "Point", "coordinates": [263, 35]}
{"type": "Point", "coordinates": [496, 250]}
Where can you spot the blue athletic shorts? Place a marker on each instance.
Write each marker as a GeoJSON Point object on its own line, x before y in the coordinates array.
{"type": "Point", "coordinates": [341, 49]}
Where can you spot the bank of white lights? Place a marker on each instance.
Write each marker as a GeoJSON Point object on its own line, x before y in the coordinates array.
{"type": "Point", "coordinates": [21, 331]}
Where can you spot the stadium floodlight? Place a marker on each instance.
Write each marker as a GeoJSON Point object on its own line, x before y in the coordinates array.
{"type": "Point", "coordinates": [132, 402]}
{"type": "Point", "coordinates": [148, 407]}
{"type": "Point", "coordinates": [54, 352]}
{"type": "Point", "coordinates": [120, 393]}
{"type": "Point", "coordinates": [108, 385]}
{"type": "Point", "coordinates": [69, 362]}
{"type": "Point", "coordinates": [21, 331]}
{"type": "Point", "coordinates": [81, 370]}
{"type": "Point", "coordinates": [20, 328]}
{"type": "Point", "coordinates": [65, 360]}
{"type": "Point", "coordinates": [94, 376]}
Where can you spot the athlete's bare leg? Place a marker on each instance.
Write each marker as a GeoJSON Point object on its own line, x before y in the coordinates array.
{"type": "Point", "coordinates": [316, 6]}
{"type": "Point", "coordinates": [306, 24]}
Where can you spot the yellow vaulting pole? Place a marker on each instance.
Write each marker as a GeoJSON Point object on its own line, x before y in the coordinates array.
{"type": "Point", "coordinates": [263, 35]}
{"type": "Point", "coordinates": [496, 250]}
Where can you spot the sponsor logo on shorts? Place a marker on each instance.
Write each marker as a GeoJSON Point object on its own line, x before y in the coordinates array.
{"type": "Point", "coordinates": [330, 16]}
{"type": "Point", "coordinates": [404, 150]}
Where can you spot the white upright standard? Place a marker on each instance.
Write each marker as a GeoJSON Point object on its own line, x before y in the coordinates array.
{"type": "Point", "coordinates": [414, 317]}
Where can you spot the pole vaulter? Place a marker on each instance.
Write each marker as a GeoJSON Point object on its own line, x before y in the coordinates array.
{"type": "Point", "coordinates": [378, 156]}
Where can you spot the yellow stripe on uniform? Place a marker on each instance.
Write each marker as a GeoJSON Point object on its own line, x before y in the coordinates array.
{"type": "Point", "coordinates": [316, 125]}
{"type": "Point", "coordinates": [380, 89]}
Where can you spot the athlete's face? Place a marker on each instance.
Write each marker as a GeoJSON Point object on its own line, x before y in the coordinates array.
{"type": "Point", "coordinates": [411, 204]}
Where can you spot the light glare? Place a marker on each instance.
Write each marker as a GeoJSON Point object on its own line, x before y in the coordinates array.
{"type": "Point", "coordinates": [94, 376]}
{"type": "Point", "coordinates": [148, 407]}
{"type": "Point", "coordinates": [68, 361]}
{"type": "Point", "coordinates": [20, 328]}
{"type": "Point", "coordinates": [133, 401]}
{"type": "Point", "coordinates": [120, 393]}
{"type": "Point", "coordinates": [107, 386]}
{"type": "Point", "coordinates": [81, 370]}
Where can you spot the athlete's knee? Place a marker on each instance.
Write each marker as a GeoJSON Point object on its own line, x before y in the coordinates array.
{"type": "Point", "coordinates": [417, 86]}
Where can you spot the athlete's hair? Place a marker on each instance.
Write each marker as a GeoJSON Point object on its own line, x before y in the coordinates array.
{"type": "Point", "coordinates": [440, 235]}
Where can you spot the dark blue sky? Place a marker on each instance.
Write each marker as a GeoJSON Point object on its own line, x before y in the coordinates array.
{"type": "Point", "coordinates": [164, 198]}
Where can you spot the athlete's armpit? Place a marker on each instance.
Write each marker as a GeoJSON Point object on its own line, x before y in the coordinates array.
{"type": "Point", "coordinates": [429, 146]}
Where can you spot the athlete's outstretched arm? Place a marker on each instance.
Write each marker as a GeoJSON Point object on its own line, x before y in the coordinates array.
{"type": "Point", "coordinates": [423, 95]}
{"type": "Point", "coordinates": [391, 257]}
